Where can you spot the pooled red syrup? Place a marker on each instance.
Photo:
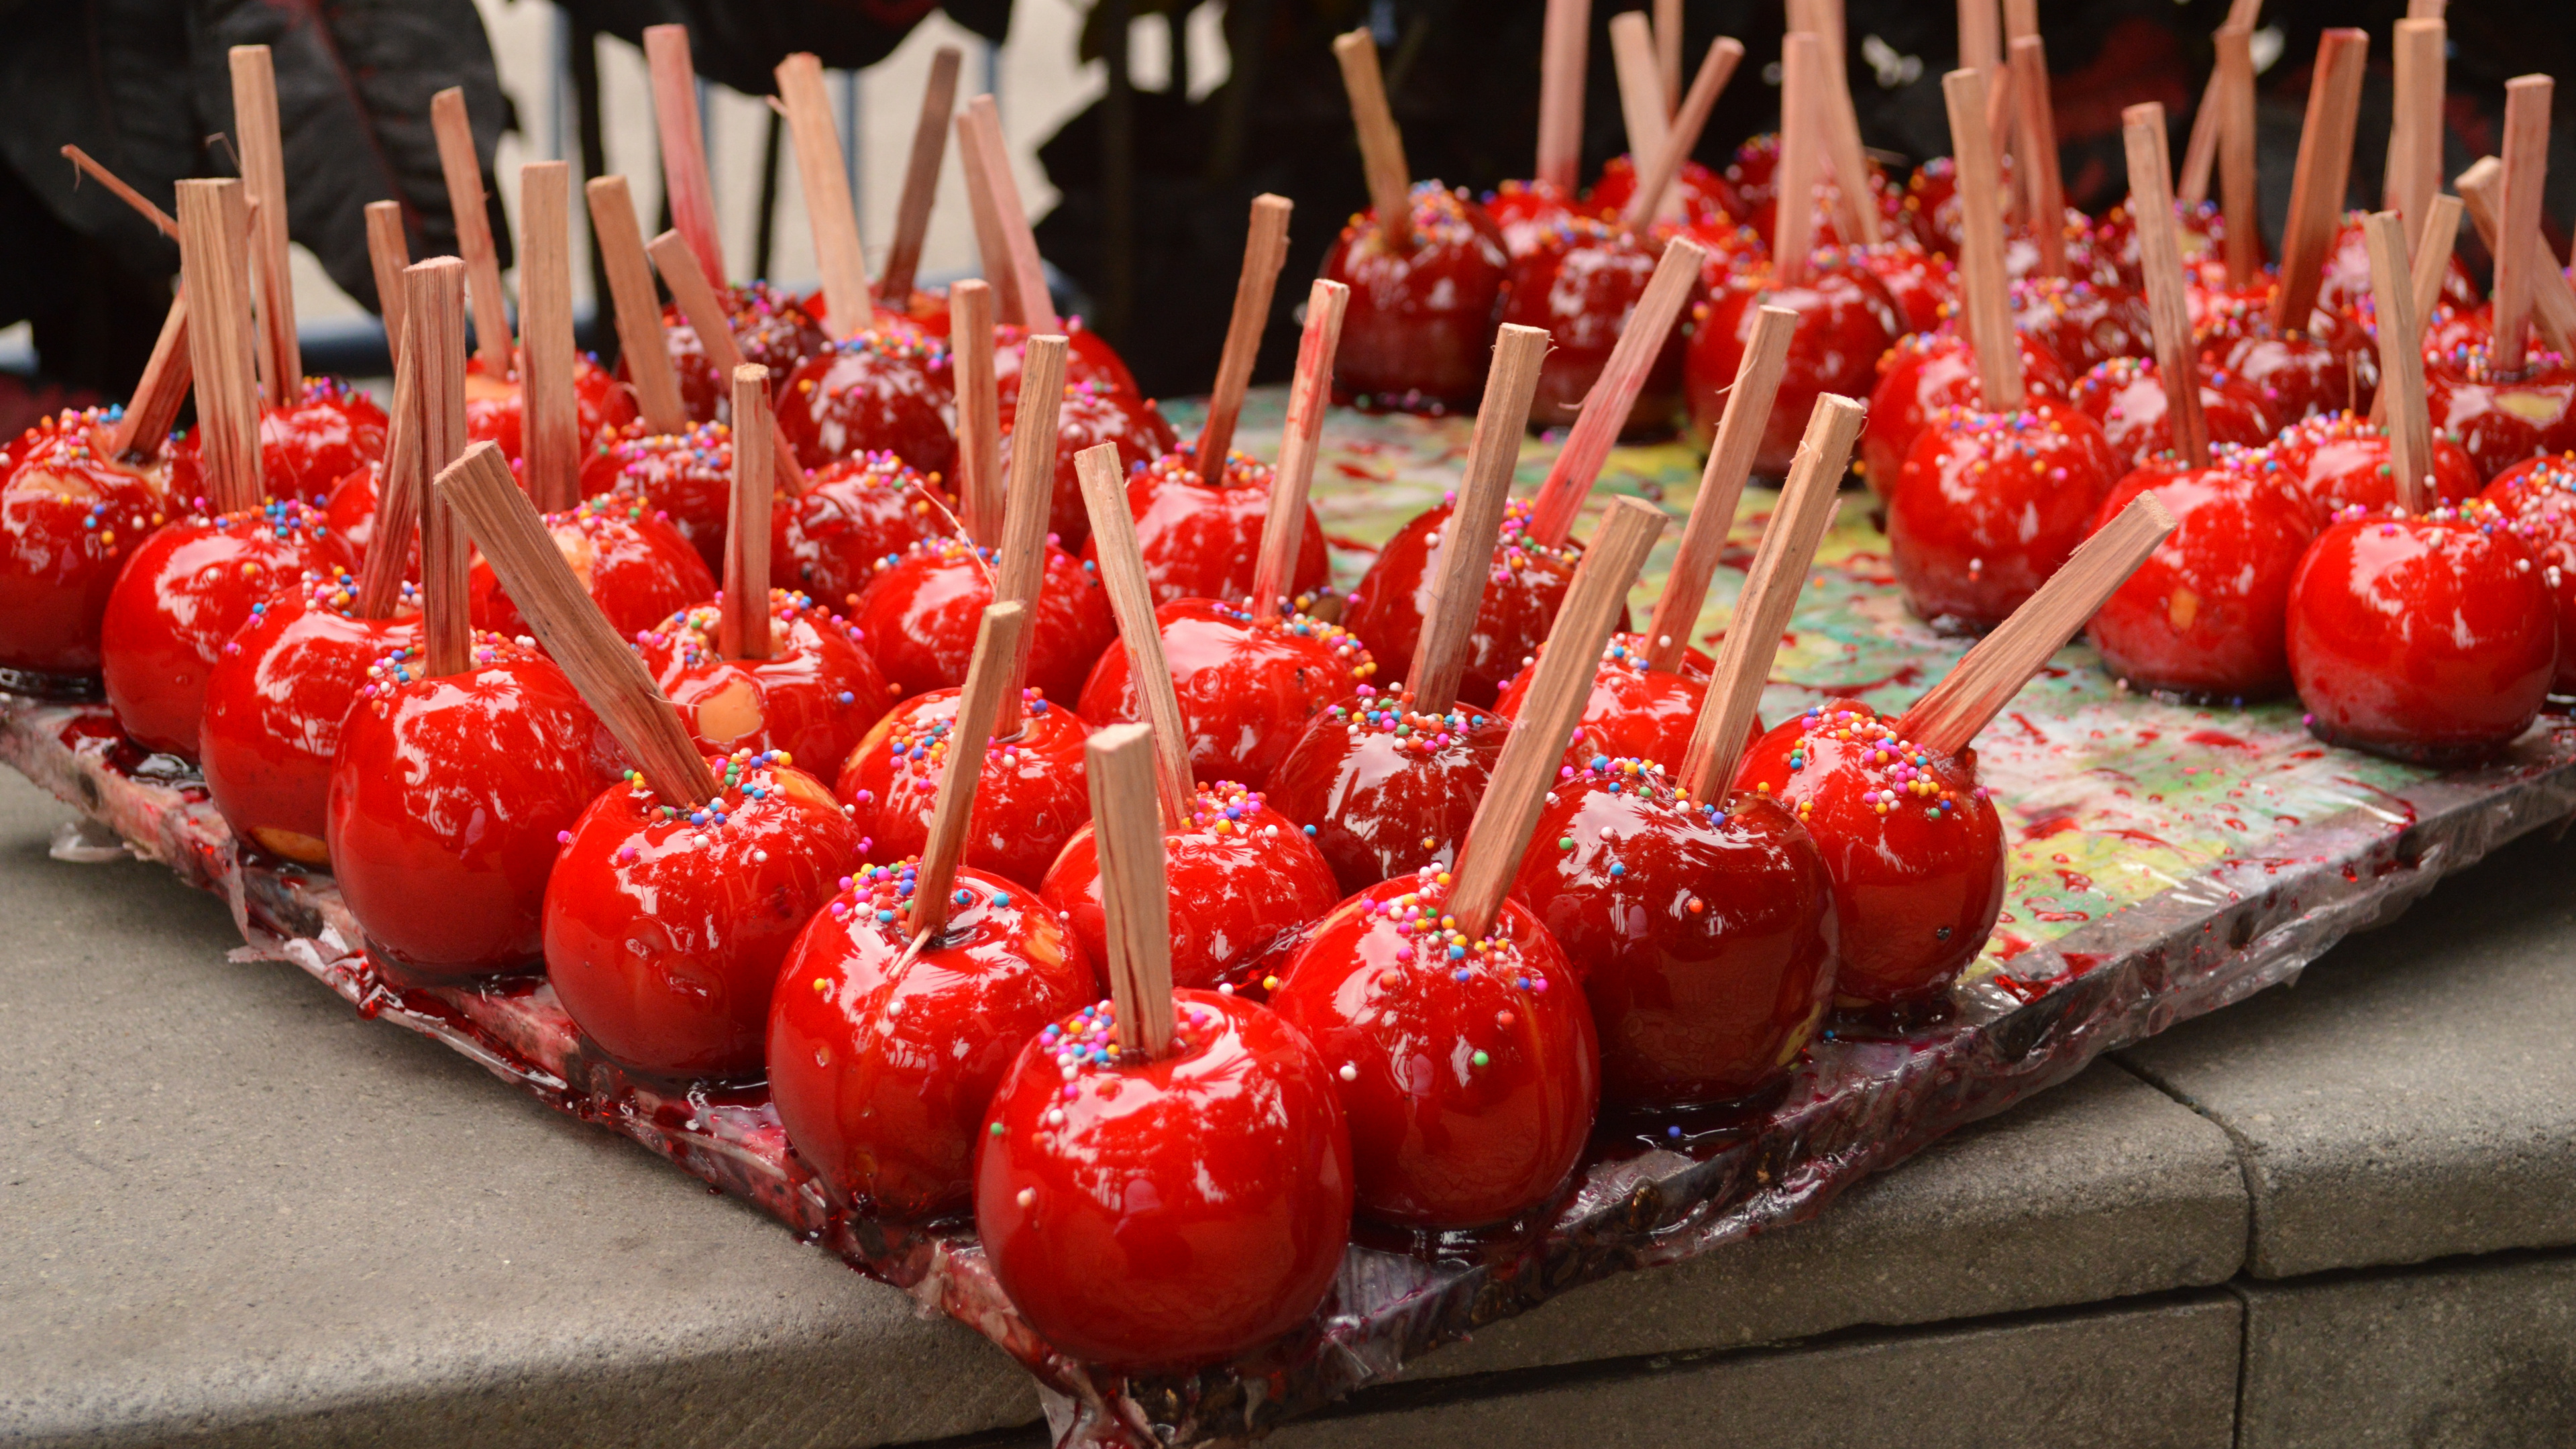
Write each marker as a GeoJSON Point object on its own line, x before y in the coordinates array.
{"type": "Point", "coordinates": [772, 328]}
{"type": "Point", "coordinates": [1420, 321]}
{"type": "Point", "coordinates": [811, 700]}
{"type": "Point", "coordinates": [69, 517]}
{"type": "Point", "coordinates": [2540, 497]}
{"type": "Point", "coordinates": [1247, 686]}
{"type": "Point", "coordinates": [2081, 325]}
{"type": "Point", "coordinates": [2202, 617]}
{"type": "Point", "coordinates": [181, 595]}
{"type": "Point", "coordinates": [1845, 321]}
{"type": "Point", "coordinates": [304, 449]}
{"type": "Point", "coordinates": [635, 565]}
{"type": "Point", "coordinates": [1707, 197]}
{"type": "Point", "coordinates": [1089, 416]}
{"type": "Point", "coordinates": [884, 1054]}
{"type": "Point", "coordinates": [855, 515]}
{"type": "Point", "coordinates": [1579, 284]}
{"type": "Point", "coordinates": [1242, 882]}
{"type": "Point", "coordinates": [921, 611]}
{"type": "Point", "coordinates": [1031, 792]}
{"type": "Point", "coordinates": [685, 478]}
{"type": "Point", "coordinates": [496, 405]}
{"type": "Point", "coordinates": [1088, 358]}
{"type": "Point", "coordinates": [1468, 1068]}
{"type": "Point", "coordinates": [2499, 418]}
{"type": "Point", "coordinates": [275, 699]}
{"type": "Point", "coordinates": [1167, 1213]}
{"type": "Point", "coordinates": [1203, 542]}
{"type": "Point", "coordinates": [1529, 213]}
{"type": "Point", "coordinates": [1383, 789]}
{"type": "Point", "coordinates": [1706, 930]}
{"type": "Point", "coordinates": [2126, 396]}
{"type": "Point", "coordinates": [1909, 837]}
{"type": "Point", "coordinates": [2342, 462]}
{"type": "Point", "coordinates": [877, 392]}
{"type": "Point", "coordinates": [1633, 711]}
{"type": "Point", "coordinates": [1527, 583]}
{"type": "Point", "coordinates": [448, 799]}
{"type": "Point", "coordinates": [1988, 505]}
{"type": "Point", "coordinates": [1921, 375]}
{"type": "Point", "coordinates": [2431, 638]}
{"type": "Point", "coordinates": [665, 925]}
{"type": "Point", "coordinates": [1923, 285]}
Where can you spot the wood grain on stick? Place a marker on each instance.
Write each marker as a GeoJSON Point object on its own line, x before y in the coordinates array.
{"type": "Point", "coordinates": [1793, 227]}
{"type": "Point", "coordinates": [1981, 40]}
{"type": "Point", "coordinates": [434, 309]}
{"type": "Point", "coordinates": [144, 428]}
{"type": "Point", "coordinates": [641, 343]}
{"type": "Point", "coordinates": [2324, 170]}
{"type": "Point", "coordinates": [2401, 361]}
{"type": "Point", "coordinates": [400, 484]}
{"type": "Point", "coordinates": [1721, 486]}
{"type": "Point", "coordinates": [162, 221]}
{"type": "Point", "coordinates": [1614, 393]}
{"type": "Point", "coordinates": [1020, 571]}
{"type": "Point", "coordinates": [2524, 253]}
{"type": "Point", "coordinates": [823, 175]}
{"type": "Point", "coordinates": [550, 409]}
{"type": "Point", "coordinates": [979, 411]}
{"type": "Point", "coordinates": [921, 178]}
{"type": "Point", "coordinates": [2035, 124]}
{"type": "Point", "coordinates": [1028, 273]}
{"type": "Point", "coordinates": [1661, 174]}
{"type": "Point", "coordinates": [1985, 292]}
{"type": "Point", "coordinates": [2416, 129]}
{"type": "Point", "coordinates": [979, 704]}
{"type": "Point", "coordinates": [2239, 202]}
{"type": "Point", "coordinates": [1133, 888]}
{"type": "Point", "coordinates": [742, 627]}
{"type": "Point", "coordinates": [705, 311]}
{"type": "Point", "coordinates": [388, 252]}
{"type": "Point", "coordinates": [1310, 395]}
{"type": "Point", "coordinates": [1642, 107]}
{"type": "Point", "coordinates": [1265, 250]}
{"type": "Point", "coordinates": [1668, 51]}
{"type": "Point", "coordinates": [1390, 182]}
{"type": "Point", "coordinates": [215, 271]}
{"type": "Point", "coordinates": [263, 169]}
{"type": "Point", "coordinates": [2429, 268]}
{"type": "Point", "coordinates": [684, 143]}
{"type": "Point", "coordinates": [463, 170]}
{"type": "Point", "coordinates": [1565, 40]}
{"type": "Point", "coordinates": [1465, 562]}
{"type": "Point", "coordinates": [2160, 263]}
{"type": "Point", "coordinates": [2553, 296]}
{"type": "Point", "coordinates": [1131, 599]}
{"type": "Point", "coordinates": [991, 247]}
{"type": "Point", "coordinates": [2200, 153]}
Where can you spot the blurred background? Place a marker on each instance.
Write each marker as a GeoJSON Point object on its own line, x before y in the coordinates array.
{"type": "Point", "coordinates": [1139, 131]}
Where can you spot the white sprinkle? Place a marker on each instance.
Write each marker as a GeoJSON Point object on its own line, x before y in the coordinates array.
{"type": "Point", "coordinates": [1348, 1073]}
{"type": "Point", "coordinates": [1028, 1195]}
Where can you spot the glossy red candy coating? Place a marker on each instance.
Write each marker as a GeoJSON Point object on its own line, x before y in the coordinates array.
{"type": "Point", "coordinates": [1030, 796]}
{"type": "Point", "coordinates": [1706, 933]}
{"type": "Point", "coordinates": [637, 567]}
{"type": "Point", "coordinates": [1420, 321]}
{"type": "Point", "coordinates": [921, 611]}
{"type": "Point", "coordinates": [854, 514]}
{"type": "Point", "coordinates": [2113, 243]}
{"type": "Point", "coordinates": [664, 930]}
{"type": "Point", "coordinates": [69, 517]}
{"type": "Point", "coordinates": [303, 449]}
{"type": "Point", "coordinates": [884, 1060]}
{"type": "Point", "coordinates": [1384, 790]}
{"type": "Point", "coordinates": [1988, 505]}
{"type": "Point", "coordinates": [877, 392]}
{"type": "Point", "coordinates": [2298, 376]}
{"type": "Point", "coordinates": [687, 478]}
{"type": "Point", "coordinates": [275, 699]}
{"type": "Point", "coordinates": [1469, 1069]}
{"type": "Point", "coordinates": [496, 409]}
{"type": "Point", "coordinates": [2540, 497]}
{"type": "Point", "coordinates": [1088, 359]}
{"type": "Point", "coordinates": [1579, 285]}
{"type": "Point", "coordinates": [2429, 638]}
{"type": "Point", "coordinates": [180, 596]}
{"type": "Point", "coordinates": [2499, 419]}
{"type": "Point", "coordinates": [1633, 712]}
{"type": "Point", "coordinates": [1529, 213]}
{"type": "Point", "coordinates": [771, 326]}
{"type": "Point", "coordinates": [1246, 686]}
{"type": "Point", "coordinates": [446, 798]}
{"type": "Point", "coordinates": [2126, 396]}
{"type": "Point", "coordinates": [2202, 617]}
{"type": "Point", "coordinates": [351, 515]}
{"type": "Point", "coordinates": [1169, 1213]}
{"type": "Point", "coordinates": [813, 697]}
{"type": "Point", "coordinates": [1089, 416]}
{"type": "Point", "coordinates": [1707, 198]}
{"type": "Point", "coordinates": [1917, 887]}
{"type": "Point", "coordinates": [1924, 373]}
{"type": "Point", "coordinates": [2345, 284]}
{"type": "Point", "coordinates": [2342, 462]}
{"type": "Point", "coordinates": [1242, 882]}
{"type": "Point", "coordinates": [1522, 593]}
{"type": "Point", "coordinates": [1205, 543]}
{"type": "Point", "coordinates": [1845, 321]}
{"type": "Point", "coordinates": [2079, 323]}
{"type": "Point", "coordinates": [1923, 285]}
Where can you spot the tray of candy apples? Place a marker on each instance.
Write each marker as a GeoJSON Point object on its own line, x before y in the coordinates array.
{"type": "Point", "coordinates": [1222, 928]}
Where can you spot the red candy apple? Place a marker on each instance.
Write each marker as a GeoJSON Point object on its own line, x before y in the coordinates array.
{"type": "Point", "coordinates": [1924, 373]}
{"type": "Point", "coordinates": [2342, 462]}
{"type": "Point", "coordinates": [1988, 505]}
{"type": "Point", "coordinates": [2540, 497]}
{"type": "Point", "coordinates": [2126, 396]}
{"type": "Point", "coordinates": [1520, 600]}
{"type": "Point", "coordinates": [1383, 789]}
{"type": "Point", "coordinates": [1030, 796]}
{"type": "Point", "coordinates": [1247, 685]}
{"type": "Point", "coordinates": [1421, 316]}
{"type": "Point", "coordinates": [495, 406]}
{"type": "Point", "coordinates": [855, 514]}
{"type": "Point", "coordinates": [1089, 416]}
{"type": "Point", "coordinates": [1633, 711]}
{"type": "Point", "coordinates": [635, 565]}
{"type": "Point", "coordinates": [1845, 321]}
{"type": "Point", "coordinates": [2502, 418]}
{"type": "Point", "coordinates": [811, 700]}
{"type": "Point", "coordinates": [877, 392]}
{"type": "Point", "coordinates": [920, 613]}
{"type": "Point", "coordinates": [1202, 542]}
{"type": "Point", "coordinates": [2203, 616]}
{"type": "Point", "coordinates": [69, 517]}
{"type": "Point", "coordinates": [1579, 285]}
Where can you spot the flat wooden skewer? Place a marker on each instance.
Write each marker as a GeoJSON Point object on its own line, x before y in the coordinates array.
{"type": "Point", "coordinates": [400, 484]}
{"type": "Point", "coordinates": [505, 525]}
{"type": "Point", "coordinates": [1855, 205]}
{"type": "Point", "coordinates": [2160, 261]}
{"type": "Point", "coordinates": [1721, 487]}
{"type": "Point", "coordinates": [1981, 40]}
{"type": "Point", "coordinates": [2239, 202]}
{"type": "Point", "coordinates": [1283, 528]}
{"type": "Point", "coordinates": [145, 426]}
{"type": "Point", "coordinates": [2036, 129]}
{"type": "Point", "coordinates": [824, 176]}
{"type": "Point", "coordinates": [1562, 681]}
{"type": "Point", "coordinates": [1614, 393]}
{"type": "Point", "coordinates": [434, 309]}
{"type": "Point", "coordinates": [263, 168]}
{"type": "Point", "coordinates": [2524, 254]}
{"type": "Point", "coordinates": [1999, 127]}
{"type": "Point", "coordinates": [990, 245]}
{"type": "Point", "coordinates": [1985, 295]}
{"type": "Point", "coordinates": [2210, 123]}
{"type": "Point", "coordinates": [1659, 176]}
{"type": "Point", "coordinates": [1466, 560]}
{"type": "Point", "coordinates": [979, 411]}
{"type": "Point", "coordinates": [921, 178]}
{"type": "Point", "coordinates": [2415, 135]}
{"type": "Point", "coordinates": [1949, 716]}
{"type": "Point", "coordinates": [1770, 594]}
{"type": "Point", "coordinates": [1648, 116]}
{"type": "Point", "coordinates": [2553, 296]}
{"type": "Point", "coordinates": [1265, 251]}
{"type": "Point", "coordinates": [982, 129]}
{"type": "Point", "coordinates": [388, 252]}
{"type": "Point", "coordinates": [215, 270]}
{"type": "Point", "coordinates": [1020, 571]}
{"type": "Point", "coordinates": [1668, 50]}
{"type": "Point", "coordinates": [979, 703]}
{"type": "Point", "coordinates": [458, 162]}
{"type": "Point", "coordinates": [641, 339]}
{"type": "Point", "coordinates": [2324, 169]}
{"type": "Point", "coordinates": [88, 165]}
{"type": "Point", "coordinates": [1793, 216]}
{"type": "Point", "coordinates": [742, 626]}
{"type": "Point", "coordinates": [1390, 181]}
{"type": "Point", "coordinates": [2401, 362]}
{"type": "Point", "coordinates": [706, 313]}
{"type": "Point", "coordinates": [2430, 269]}
{"type": "Point", "coordinates": [1564, 40]}
{"type": "Point", "coordinates": [1133, 888]}
{"type": "Point", "coordinates": [1131, 598]}
{"type": "Point", "coordinates": [684, 144]}
{"type": "Point", "coordinates": [550, 409]}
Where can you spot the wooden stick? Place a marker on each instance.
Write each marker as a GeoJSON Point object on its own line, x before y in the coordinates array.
{"type": "Point", "coordinates": [144, 427]}
{"type": "Point", "coordinates": [400, 483]}
{"type": "Point", "coordinates": [1770, 594]}
{"type": "Point", "coordinates": [921, 178]}
{"type": "Point", "coordinates": [1265, 250]}
{"type": "Point", "coordinates": [505, 525]}
{"type": "Point", "coordinates": [2324, 170]}
{"type": "Point", "coordinates": [1856, 205]}
{"type": "Point", "coordinates": [1648, 116]}
{"type": "Point", "coordinates": [1951, 714]}
{"type": "Point", "coordinates": [1466, 559]}
{"type": "Point", "coordinates": [2553, 296]}
{"type": "Point", "coordinates": [1028, 273]}
{"type": "Point", "coordinates": [706, 313]}
{"type": "Point", "coordinates": [2526, 167]}
{"type": "Point", "coordinates": [742, 628]}
{"type": "Point", "coordinates": [990, 245]}
{"type": "Point", "coordinates": [641, 341]}
{"type": "Point", "coordinates": [1981, 42]}
{"type": "Point", "coordinates": [1133, 887]}
{"type": "Point", "coordinates": [979, 703]}
{"type": "Point", "coordinates": [2036, 127]}
{"type": "Point", "coordinates": [434, 308]}
{"type": "Point", "coordinates": [1390, 181]}
{"type": "Point", "coordinates": [1564, 43]}
{"type": "Point", "coordinates": [551, 414]}
{"type": "Point", "coordinates": [2021, 18]}
{"type": "Point", "coordinates": [1614, 394]}
{"type": "Point", "coordinates": [684, 144]}
{"type": "Point", "coordinates": [824, 176]}
{"type": "Point", "coordinates": [464, 173]}
{"type": "Point", "coordinates": [1721, 487]}
{"type": "Point", "coordinates": [1999, 125]}
{"type": "Point", "coordinates": [2209, 121]}
{"type": "Point", "coordinates": [1659, 177]}
{"type": "Point", "coordinates": [979, 411]}
{"type": "Point", "coordinates": [1020, 571]}
{"type": "Point", "coordinates": [2160, 260]}
{"type": "Point", "coordinates": [161, 220]}
{"type": "Point", "coordinates": [2239, 202]}
{"type": "Point", "coordinates": [1283, 528]}
{"type": "Point", "coordinates": [1562, 682]}
{"type": "Point", "coordinates": [1668, 51]}
{"type": "Point", "coordinates": [2415, 137]}
{"type": "Point", "coordinates": [388, 252]}
{"type": "Point", "coordinates": [1985, 292]}
{"type": "Point", "coordinates": [1131, 598]}
{"type": "Point", "coordinates": [2429, 269]}
{"type": "Point", "coordinates": [2401, 362]}
{"type": "Point", "coordinates": [216, 273]}
{"type": "Point", "coordinates": [1801, 160]}
{"type": "Point", "coordinates": [263, 168]}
